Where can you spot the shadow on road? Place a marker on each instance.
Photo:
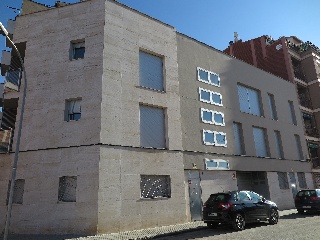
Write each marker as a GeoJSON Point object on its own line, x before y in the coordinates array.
{"type": "Point", "coordinates": [299, 215]}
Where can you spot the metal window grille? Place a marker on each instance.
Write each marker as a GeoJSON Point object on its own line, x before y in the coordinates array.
{"type": "Point", "coordinates": [18, 191]}
{"type": "Point", "coordinates": [283, 180]}
{"type": "Point", "coordinates": [155, 186]}
{"type": "Point", "coordinates": [260, 142]}
{"type": "Point", "coordinates": [249, 100]}
{"type": "Point", "coordinates": [67, 189]}
{"type": "Point", "coordinates": [151, 71]}
{"type": "Point", "coordinates": [152, 127]}
{"type": "Point", "coordinates": [302, 180]}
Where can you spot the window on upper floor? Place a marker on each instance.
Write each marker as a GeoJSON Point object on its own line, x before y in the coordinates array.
{"type": "Point", "coordinates": [151, 71]}
{"type": "Point", "coordinates": [298, 147]}
{"type": "Point", "coordinates": [155, 186]}
{"type": "Point", "coordinates": [208, 77]}
{"type": "Point", "coordinates": [67, 189]}
{"type": "Point", "coordinates": [278, 142]}
{"type": "Point", "coordinates": [73, 109]}
{"type": "Point", "coordinates": [152, 127]}
{"type": "Point", "coordinates": [77, 49]}
{"type": "Point", "coordinates": [272, 106]}
{"type": "Point", "coordinates": [212, 117]}
{"type": "Point", "coordinates": [292, 113]}
{"type": "Point", "coordinates": [238, 139]}
{"type": "Point", "coordinates": [18, 191]}
{"type": "Point", "coordinates": [208, 96]}
{"type": "Point", "coordinates": [260, 142]}
{"type": "Point", "coordinates": [283, 180]}
{"type": "Point", "coordinates": [214, 138]}
{"type": "Point", "coordinates": [249, 100]}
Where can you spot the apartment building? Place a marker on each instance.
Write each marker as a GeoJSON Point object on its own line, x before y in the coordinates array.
{"type": "Point", "coordinates": [296, 61]}
{"type": "Point", "coordinates": [129, 124]}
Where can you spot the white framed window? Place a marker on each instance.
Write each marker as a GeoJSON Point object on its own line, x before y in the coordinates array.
{"type": "Point", "coordinates": [292, 113]}
{"type": "Point", "coordinates": [249, 100]}
{"type": "Point", "coordinates": [238, 139]}
{"type": "Point", "coordinates": [77, 49]}
{"type": "Point", "coordinates": [151, 71]}
{"type": "Point", "coordinates": [277, 139]}
{"type": "Point", "coordinates": [67, 189]}
{"type": "Point", "coordinates": [211, 97]}
{"type": "Point", "coordinates": [155, 186]}
{"type": "Point", "coordinates": [152, 127]}
{"type": "Point", "coordinates": [272, 106]}
{"type": "Point", "coordinates": [73, 109]}
{"type": "Point", "coordinates": [212, 117]}
{"type": "Point", "coordinates": [216, 164]}
{"type": "Point", "coordinates": [208, 77]}
{"type": "Point", "coordinates": [214, 138]}
{"type": "Point", "coordinates": [260, 141]}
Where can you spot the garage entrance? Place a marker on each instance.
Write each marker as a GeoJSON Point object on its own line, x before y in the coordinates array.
{"type": "Point", "coordinates": [254, 181]}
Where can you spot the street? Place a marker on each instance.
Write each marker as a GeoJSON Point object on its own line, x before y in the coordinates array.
{"type": "Point", "coordinates": [292, 226]}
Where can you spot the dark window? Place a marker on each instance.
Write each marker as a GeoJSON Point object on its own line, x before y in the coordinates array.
{"type": "Point", "coordinates": [18, 191]}
{"type": "Point", "coordinates": [73, 109]}
{"type": "Point", "coordinates": [155, 186]}
{"type": "Point", "coordinates": [67, 189]}
{"type": "Point", "coordinates": [77, 49]}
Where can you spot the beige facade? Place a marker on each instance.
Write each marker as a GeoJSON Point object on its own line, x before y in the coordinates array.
{"type": "Point", "coordinates": [101, 154]}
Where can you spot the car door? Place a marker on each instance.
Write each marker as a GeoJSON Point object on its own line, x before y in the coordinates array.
{"type": "Point", "coordinates": [247, 206]}
{"type": "Point", "coordinates": [261, 207]}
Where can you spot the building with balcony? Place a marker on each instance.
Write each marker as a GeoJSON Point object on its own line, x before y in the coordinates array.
{"type": "Point", "coordinates": [129, 124]}
{"type": "Point", "coordinates": [298, 62]}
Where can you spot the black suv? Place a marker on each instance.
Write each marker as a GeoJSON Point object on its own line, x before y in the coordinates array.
{"type": "Point", "coordinates": [307, 200]}
{"type": "Point", "coordinates": [238, 208]}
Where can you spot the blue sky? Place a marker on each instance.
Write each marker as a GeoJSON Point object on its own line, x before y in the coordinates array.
{"type": "Point", "coordinates": [214, 22]}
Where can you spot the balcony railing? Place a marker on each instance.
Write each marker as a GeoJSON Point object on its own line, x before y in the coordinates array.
{"type": "Point", "coordinates": [6, 140]}
{"type": "Point", "coordinates": [315, 162]}
{"type": "Point", "coordinates": [300, 75]}
{"type": "Point", "coordinates": [304, 101]}
{"type": "Point", "coordinates": [312, 132]}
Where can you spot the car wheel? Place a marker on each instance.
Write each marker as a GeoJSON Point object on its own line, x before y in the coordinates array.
{"type": "Point", "coordinates": [274, 216]}
{"type": "Point", "coordinates": [212, 225]}
{"type": "Point", "coordinates": [300, 211]}
{"type": "Point", "coordinates": [238, 222]}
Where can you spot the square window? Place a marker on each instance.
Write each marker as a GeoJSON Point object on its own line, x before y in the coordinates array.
{"type": "Point", "coordinates": [203, 75]}
{"type": "Point", "coordinates": [208, 96]}
{"type": "Point", "coordinates": [67, 189]}
{"type": "Point", "coordinates": [152, 127]}
{"type": "Point", "coordinates": [218, 118]}
{"type": "Point", "coordinates": [18, 191]}
{"type": "Point", "coordinates": [214, 138]}
{"type": "Point", "coordinates": [207, 116]}
{"type": "Point", "coordinates": [73, 109]}
{"type": "Point", "coordinates": [216, 98]}
{"type": "Point", "coordinates": [77, 49]}
{"type": "Point", "coordinates": [215, 79]}
{"type": "Point", "coordinates": [209, 137]}
{"type": "Point", "coordinates": [151, 71]}
{"type": "Point", "coordinates": [238, 138]}
{"type": "Point", "coordinates": [221, 139]}
{"type": "Point", "coordinates": [205, 96]}
{"type": "Point", "coordinates": [155, 186]}
{"type": "Point", "coordinates": [208, 77]}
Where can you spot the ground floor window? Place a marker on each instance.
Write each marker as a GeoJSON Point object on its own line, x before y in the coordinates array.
{"type": "Point", "coordinates": [155, 186]}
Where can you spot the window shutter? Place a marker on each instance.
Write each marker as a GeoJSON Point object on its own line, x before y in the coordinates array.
{"type": "Point", "coordinates": [254, 102]}
{"type": "Point", "coordinates": [237, 138]}
{"type": "Point", "coordinates": [260, 142]}
{"type": "Point", "coordinates": [243, 99]}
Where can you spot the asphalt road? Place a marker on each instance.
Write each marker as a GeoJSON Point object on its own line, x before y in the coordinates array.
{"type": "Point", "coordinates": [292, 226]}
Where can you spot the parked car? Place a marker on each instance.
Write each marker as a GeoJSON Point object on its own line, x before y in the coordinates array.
{"type": "Point", "coordinates": [238, 208]}
{"type": "Point", "coordinates": [307, 200]}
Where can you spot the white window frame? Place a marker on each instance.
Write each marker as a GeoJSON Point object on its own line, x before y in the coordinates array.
{"type": "Point", "coordinates": [211, 93]}
{"type": "Point", "coordinates": [214, 138]}
{"type": "Point", "coordinates": [209, 79]}
{"type": "Point", "coordinates": [218, 161]}
{"type": "Point", "coordinates": [212, 120]}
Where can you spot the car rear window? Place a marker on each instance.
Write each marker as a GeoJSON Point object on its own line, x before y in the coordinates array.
{"type": "Point", "coordinates": [309, 193]}
{"type": "Point", "coordinates": [220, 197]}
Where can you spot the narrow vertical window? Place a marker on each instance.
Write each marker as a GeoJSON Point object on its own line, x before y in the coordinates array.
{"type": "Point", "coordinates": [18, 191]}
{"type": "Point", "coordinates": [152, 127]}
{"type": "Point", "coordinates": [277, 139]}
{"type": "Point", "coordinates": [73, 109]}
{"type": "Point", "coordinates": [151, 71]}
{"type": "Point", "coordinates": [260, 141]}
{"type": "Point", "coordinates": [302, 180]}
{"type": "Point", "coordinates": [283, 180]}
{"type": "Point", "coordinates": [292, 113]}
{"type": "Point", "coordinates": [298, 147]}
{"type": "Point", "coordinates": [272, 106]}
{"type": "Point", "coordinates": [249, 100]}
{"type": "Point", "coordinates": [238, 139]}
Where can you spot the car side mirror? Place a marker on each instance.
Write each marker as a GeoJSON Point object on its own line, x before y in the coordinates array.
{"type": "Point", "coordinates": [262, 200]}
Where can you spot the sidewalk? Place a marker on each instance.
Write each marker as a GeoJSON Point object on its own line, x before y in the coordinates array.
{"type": "Point", "coordinates": [136, 234]}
